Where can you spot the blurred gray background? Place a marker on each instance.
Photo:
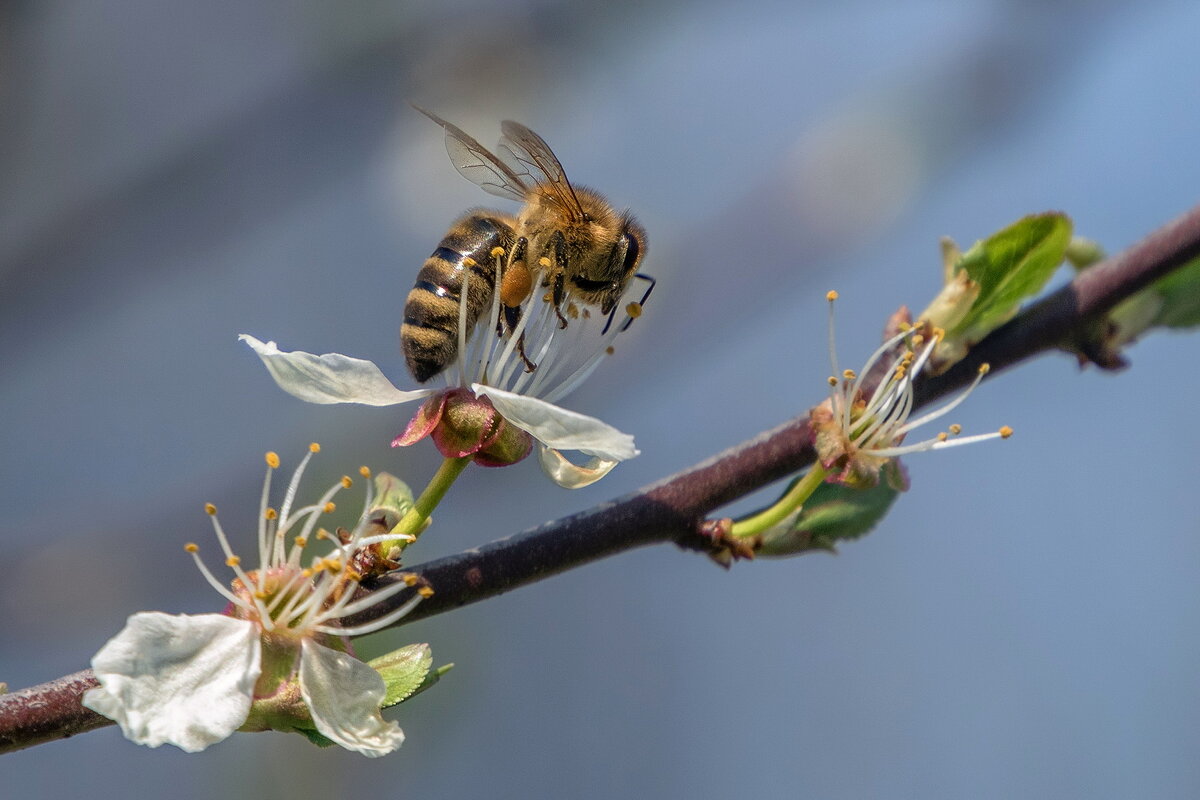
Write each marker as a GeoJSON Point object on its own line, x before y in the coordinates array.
{"type": "Point", "coordinates": [1024, 624]}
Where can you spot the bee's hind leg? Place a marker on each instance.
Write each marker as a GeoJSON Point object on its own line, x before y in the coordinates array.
{"type": "Point", "coordinates": [512, 317]}
{"type": "Point", "coordinates": [529, 365]}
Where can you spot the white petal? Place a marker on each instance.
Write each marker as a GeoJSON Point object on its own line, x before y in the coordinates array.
{"type": "Point", "coordinates": [559, 428]}
{"type": "Point", "coordinates": [184, 680]}
{"type": "Point", "coordinates": [331, 378]}
{"type": "Point", "coordinates": [343, 695]}
{"type": "Point", "coordinates": [572, 476]}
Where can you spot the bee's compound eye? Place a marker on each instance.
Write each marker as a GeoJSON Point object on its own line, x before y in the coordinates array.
{"type": "Point", "coordinates": [633, 249]}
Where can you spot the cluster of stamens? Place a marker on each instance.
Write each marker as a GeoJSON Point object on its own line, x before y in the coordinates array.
{"type": "Point", "coordinates": [540, 355]}
{"type": "Point", "coordinates": [284, 596]}
{"type": "Point", "coordinates": [874, 420]}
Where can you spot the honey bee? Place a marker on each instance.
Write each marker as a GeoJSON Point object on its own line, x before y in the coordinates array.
{"type": "Point", "coordinates": [566, 240]}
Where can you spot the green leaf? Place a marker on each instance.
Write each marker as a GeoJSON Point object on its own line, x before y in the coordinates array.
{"type": "Point", "coordinates": [393, 498]}
{"type": "Point", "coordinates": [403, 671]}
{"type": "Point", "coordinates": [315, 736]}
{"type": "Point", "coordinates": [1009, 266]}
{"type": "Point", "coordinates": [835, 513]}
{"type": "Point", "coordinates": [1180, 292]}
{"type": "Point", "coordinates": [406, 672]}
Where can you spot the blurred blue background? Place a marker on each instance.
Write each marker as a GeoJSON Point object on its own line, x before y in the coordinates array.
{"type": "Point", "coordinates": [1024, 624]}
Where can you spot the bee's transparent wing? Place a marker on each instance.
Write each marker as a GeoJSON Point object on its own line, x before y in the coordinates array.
{"type": "Point", "coordinates": [532, 160]}
{"type": "Point", "coordinates": [475, 163]}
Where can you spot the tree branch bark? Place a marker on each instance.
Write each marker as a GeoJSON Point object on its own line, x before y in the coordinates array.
{"type": "Point", "coordinates": [673, 509]}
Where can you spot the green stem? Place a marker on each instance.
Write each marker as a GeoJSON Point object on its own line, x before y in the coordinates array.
{"type": "Point", "coordinates": [413, 522]}
{"type": "Point", "coordinates": [789, 504]}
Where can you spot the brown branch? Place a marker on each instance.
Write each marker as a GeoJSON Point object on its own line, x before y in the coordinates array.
{"type": "Point", "coordinates": [673, 509]}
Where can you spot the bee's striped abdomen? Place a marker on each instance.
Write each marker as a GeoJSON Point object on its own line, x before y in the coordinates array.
{"type": "Point", "coordinates": [429, 334]}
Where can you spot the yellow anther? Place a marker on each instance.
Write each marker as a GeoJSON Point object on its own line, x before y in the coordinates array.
{"type": "Point", "coordinates": [333, 564]}
{"type": "Point", "coordinates": [984, 369]}
{"type": "Point", "coordinates": [308, 573]}
{"type": "Point", "coordinates": [547, 297]}
{"type": "Point", "coordinates": [849, 374]}
{"type": "Point", "coordinates": [330, 507]}
{"type": "Point", "coordinates": [210, 509]}
{"type": "Point", "coordinates": [918, 340]}
{"type": "Point", "coordinates": [832, 380]}
{"type": "Point", "coordinates": [939, 333]}
{"type": "Point", "coordinates": [469, 262]}
{"type": "Point", "coordinates": [497, 252]}
{"type": "Point", "coordinates": [634, 310]}
{"type": "Point", "coordinates": [301, 541]}
{"type": "Point", "coordinates": [410, 579]}
{"type": "Point", "coordinates": [261, 595]}
{"type": "Point", "coordinates": [610, 350]}
{"type": "Point", "coordinates": [425, 591]}
{"type": "Point", "coordinates": [233, 561]}
{"type": "Point", "coordinates": [364, 471]}
{"type": "Point", "coordinates": [192, 547]}
{"type": "Point", "coordinates": [354, 575]}
{"type": "Point", "coordinates": [831, 296]}
{"type": "Point", "coordinates": [272, 459]}
{"type": "Point", "coordinates": [322, 533]}
{"type": "Point", "coordinates": [270, 513]}
{"type": "Point", "coordinates": [346, 482]}
{"type": "Point", "coordinates": [943, 436]}
{"type": "Point", "coordinates": [1006, 432]}
{"type": "Point", "coordinates": [543, 261]}
{"type": "Point", "coordinates": [315, 447]}
{"type": "Point", "coordinates": [956, 429]}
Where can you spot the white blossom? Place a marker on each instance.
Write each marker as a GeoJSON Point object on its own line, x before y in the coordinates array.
{"type": "Point", "coordinates": [491, 365]}
{"type": "Point", "coordinates": [868, 415]}
{"type": "Point", "coordinates": [190, 681]}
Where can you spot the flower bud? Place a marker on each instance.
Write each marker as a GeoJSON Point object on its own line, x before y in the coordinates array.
{"type": "Point", "coordinates": [462, 424]}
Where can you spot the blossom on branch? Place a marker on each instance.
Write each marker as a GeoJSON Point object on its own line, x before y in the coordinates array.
{"type": "Point", "coordinates": [277, 658]}
{"type": "Point", "coordinates": [501, 389]}
{"type": "Point", "coordinates": [863, 424]}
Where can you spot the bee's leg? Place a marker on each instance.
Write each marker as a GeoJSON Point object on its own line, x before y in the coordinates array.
{"type": "Point", "coordinates": [559, 245]}
{"type": "Point", "coordinates": [529, 365]}
{"type": "Point", "coordinates": [640, 303]}
{"type": "Point", "coordinates": [508, 284]}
